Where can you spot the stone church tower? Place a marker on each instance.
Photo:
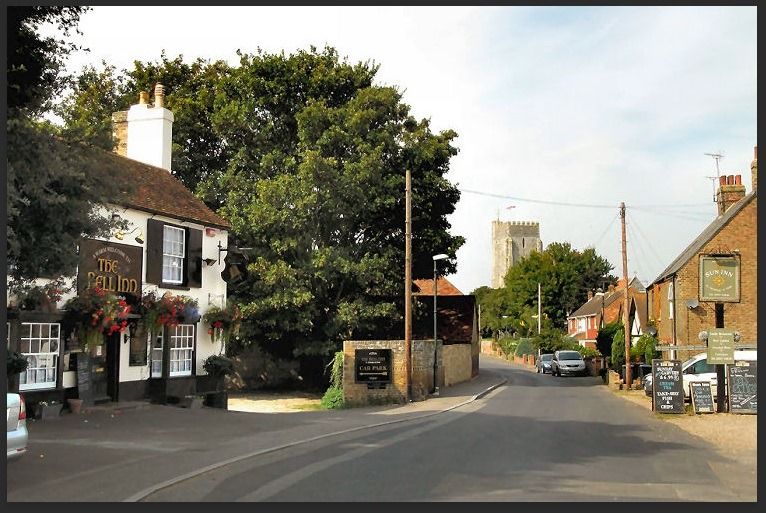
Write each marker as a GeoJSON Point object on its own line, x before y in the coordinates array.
{"type": "Point", "coordinates": [512, 241]}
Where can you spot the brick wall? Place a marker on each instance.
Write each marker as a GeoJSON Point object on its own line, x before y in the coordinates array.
{"type": "Point", "coordinates": [457, 364]}
{"type": "Point", "coordinates": [120, 132]}
{"type": "Point", "coordinates": [396, 392]}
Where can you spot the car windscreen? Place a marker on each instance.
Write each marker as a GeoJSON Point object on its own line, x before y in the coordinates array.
{"type": "Point", "coordinates": [569, 355]}
{"type": "Point", "coordinates": [546, 357]}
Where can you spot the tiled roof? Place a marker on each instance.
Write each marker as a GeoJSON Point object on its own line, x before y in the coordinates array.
{"type": "Point", "coordinates": [455, 319]}
{"type": "Point", "coordinates": [444, 288]}
{"type": "Point", "coordinates": [594, 306]}
{"type": "Point", "coordinates": [703, 238]}
{"type": "Point", "coordinates": [156, 191]}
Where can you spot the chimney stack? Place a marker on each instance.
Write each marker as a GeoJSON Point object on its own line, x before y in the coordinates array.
{"type": "Point", "coordinates": [145, 131]}
{"type": "Point", "coordinates": [754, 168]}
{"type": "Point", "coordinates": [730, 191]}
{"type": "Point", "coordinates": [590, 295]}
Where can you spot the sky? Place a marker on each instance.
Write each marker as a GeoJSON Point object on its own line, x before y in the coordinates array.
{"type": "Point", "coordinates": [553, 106]}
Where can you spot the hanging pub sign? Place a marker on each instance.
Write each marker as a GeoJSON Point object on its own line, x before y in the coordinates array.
{"type": "Point", "coordinates": [373, 366]}
{"type": "Point", "coordinates": [720, 347]}
{"type": "Point", "coordinates": [743, 387]}
{"type": "Point", "coordinates": [667, 386]}
{"type": "Point", "coordinates": [719, 278]}
{"type": "Point", "coordinates": [117, 268]}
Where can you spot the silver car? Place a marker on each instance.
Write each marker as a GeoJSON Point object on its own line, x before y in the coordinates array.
{"type": "Point", "coordinates": [544, 363]}
{"type": "Point", "coordinates": [16, 426]}
{"type": "Point", "coordinates": [567, 362]}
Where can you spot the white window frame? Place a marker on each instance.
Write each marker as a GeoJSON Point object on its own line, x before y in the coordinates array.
{"type": "Point", "coordinates": [181, 348]}
{"type": "Point", "coordinates": [582, 324]}
{"type": "Point", "coordinates": [155, 349]}
{"type": "Point", "coordinates": [670, 300]}
{"type": "Point", "coordinates": [170, 254]}
{"type": "Point", "coordinates": [50, 357]}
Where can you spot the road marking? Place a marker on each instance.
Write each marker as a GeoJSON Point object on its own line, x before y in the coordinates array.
{"type": "Point", "coordinates": [189, 475]}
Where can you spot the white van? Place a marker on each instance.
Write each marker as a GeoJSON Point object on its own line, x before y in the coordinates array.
{"type": "Point", "coordinates": [696, 368]}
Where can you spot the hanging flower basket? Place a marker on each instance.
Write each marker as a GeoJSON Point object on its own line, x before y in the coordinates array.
{"type": "Point", "coordinates": [167, 310]}
{"type": "Point", "coordinates": [95, 313]}
{"type": "Point", "coordinates": [223, 322]}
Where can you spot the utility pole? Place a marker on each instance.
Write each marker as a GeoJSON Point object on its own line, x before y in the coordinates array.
{"type": "Point", "coordinates": [539, 310]}
{"type": "Point", "coordinates": [408, 282]}
{"type": "Point", "coordinates": [625, 312]}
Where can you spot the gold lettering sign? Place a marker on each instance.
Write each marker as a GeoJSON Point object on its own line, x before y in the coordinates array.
{"type": "Point", "coordinates": [114, 267]}
{"type": "Point", "coordinates": [719, 278]}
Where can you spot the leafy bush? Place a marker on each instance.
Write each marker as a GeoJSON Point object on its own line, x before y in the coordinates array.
{"type": "Point", "coordinates": [605, 337]}
{"type": "Point", "coordinates": [333, 397]}
{"type": "Point", "coordinates": [524, 347]}
{"type": "Point", "coordinates": [507, 345]}
{"type": "Point", "coordinates": [645, 347]}
{"type": "Point", "coordinates": [618, 350]}
{"type": "Point", "coordinates": [589, 352]}
{"type": "Point", "coordinates": [218, 366]}
{"type": "Point", "coordinates": [16, 363]}
{"type": "Point", "coordinates": [551, 340]}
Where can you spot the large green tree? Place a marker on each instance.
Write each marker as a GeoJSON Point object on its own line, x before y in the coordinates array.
{"type": "Point", "coordinates": [306, 157]}
{"type": "Point", "coordinates": [54, 186]}
{"type": "Point", "coordinates": [565, 274]}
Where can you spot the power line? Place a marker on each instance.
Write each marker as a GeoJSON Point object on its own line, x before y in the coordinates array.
{"type": "Point", "coordinates": [645, 240]}
{"type": "Point", "coordinates": [606, 230]}
{"type": "Point", "coordinates": [569, 204]}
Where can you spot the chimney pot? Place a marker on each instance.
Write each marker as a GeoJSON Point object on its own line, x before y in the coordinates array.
{"type": "Point", "coordinates": [159, 95]}
{"type": "Point", "coordinates": [722, 180]}
{"type": "Point", "coordinates": [738, 180]}
{"type": "Point", "coordinates": [730, 179]}
{"type": "Point", "coordinates": [143, 97]}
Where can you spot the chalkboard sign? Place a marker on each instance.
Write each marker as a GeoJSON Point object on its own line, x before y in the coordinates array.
{"type": "Point", "coordinates": [743, 387]}
{"type": "Point", "coordinates": [702, 397]}
{"type": "Point", "coordinates": [373, 365]}
{"type": "Point", "coordinates": [667, 386]}
{"type": "Point", "coordinates": [84, 390]}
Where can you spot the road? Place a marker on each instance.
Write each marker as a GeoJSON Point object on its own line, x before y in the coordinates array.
{"type": "Point", "coordinates": [538, 438]}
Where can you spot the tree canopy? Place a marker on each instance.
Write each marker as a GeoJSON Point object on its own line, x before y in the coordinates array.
{"type": "Point", "coordinates": [306, 157]}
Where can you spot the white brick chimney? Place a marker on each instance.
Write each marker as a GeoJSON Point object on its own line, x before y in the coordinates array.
{"type": "Point", "coordinates": [150, 130]}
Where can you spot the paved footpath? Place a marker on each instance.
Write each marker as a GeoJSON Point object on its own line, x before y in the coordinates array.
{"type": "Point", "coordinates": [123, 454]}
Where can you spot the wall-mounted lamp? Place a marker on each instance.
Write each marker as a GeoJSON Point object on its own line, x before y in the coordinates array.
{"type": "Point", "coordinates": [116, 217]}
{"type": "Point", "coordinates": [703, 336]}
{"type": "Point", "coordinates": [209, 261]}
{"type": "Point", "coordinates": [119, 235]}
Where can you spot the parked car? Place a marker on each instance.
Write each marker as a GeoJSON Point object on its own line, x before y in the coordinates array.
{"type": "Point", "coordinates": [696, 368]}
{"type": "Point", "coordinates": [544, 363]}
{"type": "Point", "coordinates": [16, 426]}
{"type": "Point", "coordinates": [567, 362]}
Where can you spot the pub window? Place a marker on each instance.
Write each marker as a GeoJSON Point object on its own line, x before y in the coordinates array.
{"type": "Point", "coordinates": [173, 254]}
{"type": "Point", "coordinates": [157, 344]}
{"type": "Point", "coordinates": [670, 301]}
{"type": "Point", "coordinates": [181, 350]}
{"type": "Point", "coordinates": [138, 345]}
{"type": "Point", "coordinates": [40, 346]}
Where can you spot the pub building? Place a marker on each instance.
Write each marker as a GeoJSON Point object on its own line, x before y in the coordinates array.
{"type": "Point", "coordinates": [173, 243]}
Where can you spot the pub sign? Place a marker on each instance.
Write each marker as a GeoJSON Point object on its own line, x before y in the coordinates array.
{"type": "Point", "coordinates": [720, 347]}
{"type": "Point", "coordinates": [117, 268]}
{"type": "Point", "coordinates": [372, 365]}
{"type": "Point", "coordinates": [719, 278]}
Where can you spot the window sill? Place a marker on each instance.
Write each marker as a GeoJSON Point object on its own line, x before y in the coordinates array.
{"type": "Point", "coordinates": [173, 286]}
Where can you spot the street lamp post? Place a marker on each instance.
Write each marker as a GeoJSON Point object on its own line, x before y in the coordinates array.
{"type": "Point", "coordinates": [440, 256]}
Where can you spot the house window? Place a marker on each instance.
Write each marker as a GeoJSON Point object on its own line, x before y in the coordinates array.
{"type": "Point", "coordinates": [670, 301]}
{"type": "Point", "coordinates": [581, 324]}
{"type": "Point", "coordinates": [181, 350]}
{"type": "Point", "coordinates": [40, 346]}
{"type": "Point", "coordinates": [173, 251]}
{"type": "Point", "coordinates": [156, 341]}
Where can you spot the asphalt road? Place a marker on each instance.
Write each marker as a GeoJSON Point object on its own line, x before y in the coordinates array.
{"type": "Point", "coordinates": [538, 438]}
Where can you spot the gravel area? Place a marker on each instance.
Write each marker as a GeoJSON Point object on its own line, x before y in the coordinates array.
{"type": "Point", "coordinates": [724, 430]}
{"type": "Point", "coordinates": [274, 402]}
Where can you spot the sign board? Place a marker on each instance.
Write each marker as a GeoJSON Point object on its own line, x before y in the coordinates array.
{"type": "Point", "coordinates": [719, 278]}
{"type": "Point", "coordinates": [667, 386]}
{"type": "Point", "coordinates": [702, 397]}
{"type": "Point", "coordinates": [84, 390]}
{"type": "Point", "coordinates": [117, 268]}
{"type": "Point", "coordinates": [372, 365]}
{"type": "Point", "coordinates": [720, 347]}
{"type": "Point", "coordinates": [743, 387]}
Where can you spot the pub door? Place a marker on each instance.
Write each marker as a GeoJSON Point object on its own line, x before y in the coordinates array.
{"type": "Point", "coordinates": [113, 366]}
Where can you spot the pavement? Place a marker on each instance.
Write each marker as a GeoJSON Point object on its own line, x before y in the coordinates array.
{"type": "Point", "coordinates": [103, 453]}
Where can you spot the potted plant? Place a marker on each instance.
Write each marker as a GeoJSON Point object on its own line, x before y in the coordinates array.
{"type": "Point", "coordinates": [218, 367]}
{"type": "Point", "coordinates": [48, 410]}
{"type": "Point", "coordinates": [75, 405]}
{"type": "Point", "coordinates": [16, 364]}
{"type": "Point", "coordinates": [224, 322]}
{"type": "Point", "coordinates": [95, 313]}
{"type": "Point", "coordinates": [167, 310]}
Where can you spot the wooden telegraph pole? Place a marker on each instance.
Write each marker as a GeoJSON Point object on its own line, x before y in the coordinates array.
{"type": "Point", "coordinates": [625, 312]}
{"type": "Point", "coordinates": [408, 283]}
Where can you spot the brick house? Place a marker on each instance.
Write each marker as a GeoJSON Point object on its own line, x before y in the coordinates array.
{"type": "Point", "coordinates": [172, 244]}
{"type": "Point", "coordinates": [606, 307]}
{"type": "Point", "coordinates": [676, 305]}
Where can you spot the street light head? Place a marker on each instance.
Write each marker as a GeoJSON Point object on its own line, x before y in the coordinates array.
{"type": "Point", "coordinates": [440, 256]}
